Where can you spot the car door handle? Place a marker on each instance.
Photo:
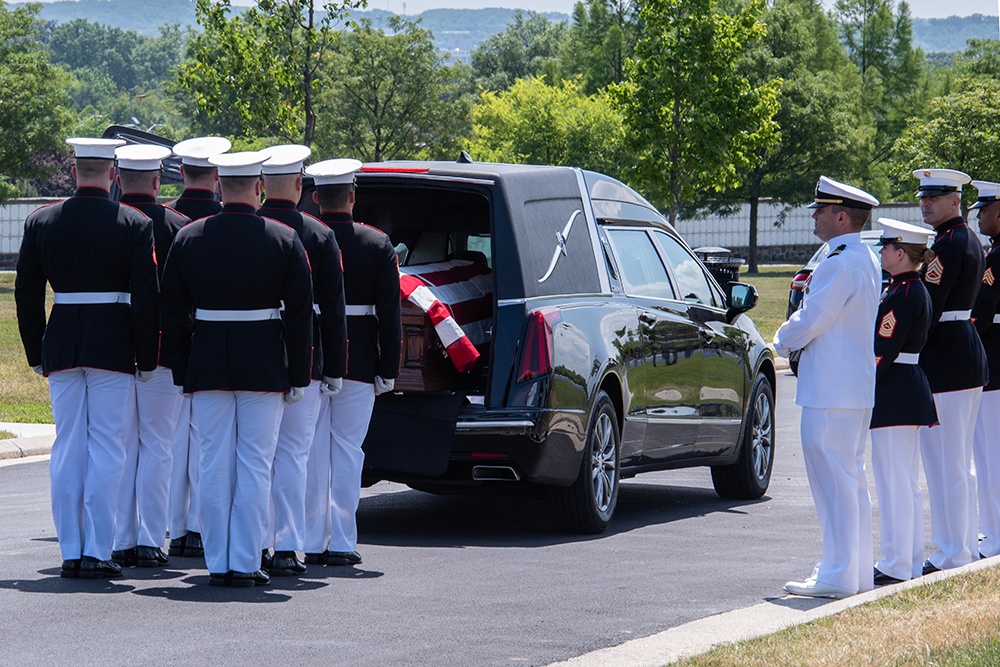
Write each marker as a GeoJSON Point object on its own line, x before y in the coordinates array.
{"type": "Point", "coordinates": [646, 318]}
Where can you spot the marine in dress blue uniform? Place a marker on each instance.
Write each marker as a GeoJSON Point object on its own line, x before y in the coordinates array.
{"type": "Point", "coordinates": [371, 287]}
{"type": "Point", "coordinates": [141, 517]}
{"type": "Point", "coordinates": [986, 317]}
{"type": "Point", "coordinates": [836, 388]}
{"type": "Point", "coordinates": [241, 360]}
{"type": "Point", "coordinates": [955, 363]}
{"type": "Point", "coordinates": [98, 257]}
{"type": "Point", "coordinates": [283, 187]}
{"type": "Point", "coordinates": [198, 200]}
{"type": "Point", "coordinates": [903, 401]}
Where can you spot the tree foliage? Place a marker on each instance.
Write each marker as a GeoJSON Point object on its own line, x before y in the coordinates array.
{"type": "Point", "coordinates": [528, 47]}
{"type": "Point", "coordinates": [600, 40]}
{"type": "Point", "coordinates": [537, 123]}
{"type": "Point", "coordinates": [692, 118]}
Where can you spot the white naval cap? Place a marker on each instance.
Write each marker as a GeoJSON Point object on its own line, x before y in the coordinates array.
{"type": "Point", "coordinates": [896, 231]}
{"type": "Point", "coordinates": [829, 191]}
{"type": "Point", "coordinates": [937, 182]}
{"type": "Point", "coordinates": [988, 193]}
{"type": "Point", "coordinates": [245, 163]}
{"type": "Point", "coordinates": [141, 157]}
{"type": "Point", "coordinates": [285, 159]}
{"type": "Point", "coordinates": [334, 172]}
{"type": "Point", "coordinates": [103, 149]}
{"type": "Point", "coordinates": [195, 152]}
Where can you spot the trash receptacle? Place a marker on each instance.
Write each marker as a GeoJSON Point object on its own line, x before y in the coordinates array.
{"type": "Point", "coordinates": [720, 263]}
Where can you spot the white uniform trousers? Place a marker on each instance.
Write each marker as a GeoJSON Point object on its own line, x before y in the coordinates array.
{"type": "Point", "coordinates": [286, 519]}
{"type": "Point", "coordinates": [896, 467]}
{"type": "Point", "coordinates": [144, 492]}
{"type": "Point", "coordinates": [946, 451]}
{"type": "Point", "coordinates": [335, 462]}
{"type": "Point", "coordinates": [185, 455]}
{"type": "Point", "coordinates": [833, 448]}
{"type": "Point", "coordinates": [986, 447]}
{"type": "Point", "coordinates": [237, 432]}
{"type": "Point", "coordinates": [91, 411]}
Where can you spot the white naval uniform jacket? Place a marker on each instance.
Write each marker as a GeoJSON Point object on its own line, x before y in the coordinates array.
{"type": "Point", "coordinates": [834, 329]}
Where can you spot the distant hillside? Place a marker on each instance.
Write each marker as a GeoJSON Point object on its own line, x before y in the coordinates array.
{"type": "Point", "coordinates": [952, 33]}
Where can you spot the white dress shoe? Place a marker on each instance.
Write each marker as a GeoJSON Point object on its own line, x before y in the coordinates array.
{"type": "Point", "coordinates": [817, 589]}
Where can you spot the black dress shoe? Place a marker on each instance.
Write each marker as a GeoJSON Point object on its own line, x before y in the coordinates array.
{"type": "Point", "coordinates": [286, 564]}
{"type": "Point", "coordinates": [70, 569]}
{"type": "Point", "coordinates": [92, 568]}
{"type": "Point", "coordinates": [218, 578]}
{"type": "Point", "coordinates": [178, 546]}
{"type": "Point", "coordinates": [883, 579]}
{"type": "Point", "coordinates": [343, 558]}
{"type": "Point", "coordinates": [265, 560]}
{"type": "Point", "coordinates": [150, 557]}
{"type": "Point", "coordinates": [125, 557]}
{"type": "Point", "coordinates": [248, 579]}
{"type": "Point", "coordinates": [317, 559]}
{"type": "Point", "coordinates": [194, 546]}
{"type": "Point", "coordinates": [930, 568]}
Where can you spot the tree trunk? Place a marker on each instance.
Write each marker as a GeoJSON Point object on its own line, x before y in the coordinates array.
{"type": "Point", "coordinates": [752, 245]}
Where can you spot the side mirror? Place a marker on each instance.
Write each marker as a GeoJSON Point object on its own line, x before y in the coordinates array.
{"type": "Point", "coordinates": [740, 297]}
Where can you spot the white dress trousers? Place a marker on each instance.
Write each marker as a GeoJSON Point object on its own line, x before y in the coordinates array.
{"type": "Point", "coordinates": [946, 451]}
{"type": "Point", "coordinates": [185, 455]}
{"type": "Point", "coordinates": [238, 432]}
{"type": "Point", "coordinates": [91, 411]}
{"type": "Point", "coordinates": [287, 516]}
{"type": "Point", "coordinates": [896, 467]}
{"type": "Point", "coordinates": [986, 448]}
{"type": "Point", "coordinates": [334, 471]}
{"type": "Point", "coordinates": [833, 449]}
{"type": "Point", "coordinates": [145, 489]}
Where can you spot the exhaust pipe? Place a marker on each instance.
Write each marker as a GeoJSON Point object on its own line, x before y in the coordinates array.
{"type": "Point", "coordinates": [495, 474]}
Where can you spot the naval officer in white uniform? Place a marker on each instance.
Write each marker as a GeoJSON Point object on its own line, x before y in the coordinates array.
{"type": "Point", "coordinates": [836, 388]}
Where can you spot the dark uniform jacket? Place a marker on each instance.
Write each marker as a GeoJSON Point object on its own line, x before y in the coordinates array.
{"type": "Point", "coordinates": [371, 277]}
{"type": "Point", "coordinates": [330, 324]}
{"type": "Point", "coordinates": [196, 203]}
{"type": "Point", "coordinates": [166, 223]}
{"type": "Point", "coordinates": [237, 260]}
{"type": "Point", "coordinates": [953, 357]}
{"type": "Point", "coordinates": [902, 394]}
{"type": "Point", "coordinates": [987, 305]}
{"type": "Point", "coordinates": [88, 243]}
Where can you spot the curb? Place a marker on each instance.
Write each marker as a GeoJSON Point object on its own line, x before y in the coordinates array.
{"type": "Point", "coordinates": [766, 618]}
{"type": "Point", "coordinates": [18, 448]}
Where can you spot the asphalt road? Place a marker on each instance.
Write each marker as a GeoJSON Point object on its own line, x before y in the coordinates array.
{"type": "Point", "coordinates": [445, 580]}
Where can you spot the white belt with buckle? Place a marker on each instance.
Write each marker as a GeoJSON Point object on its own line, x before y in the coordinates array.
{"type": "Point", "coordinates": [358, 311]}
{"type": "Point", "coordinates": [85, 298]}
{"type": "Point", "coordinates": [237, 315]}
{"type": "Point", "coordinates": [955, 315]}
{"type": "Point", "coordinates": [910, 358]}
{"type": "Point", "coordinates": [996, 319]}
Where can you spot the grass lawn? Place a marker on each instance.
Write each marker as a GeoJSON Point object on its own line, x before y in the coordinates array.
{"type": "Point", "coordinates": [772, 283]}
{"type": "Point", "coordinates": [24, 396]}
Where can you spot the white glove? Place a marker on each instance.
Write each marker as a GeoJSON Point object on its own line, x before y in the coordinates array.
{"type": "Point", "coordinates": [143, 376]}
{"type": "Point", "coordinates": [38, 369]}
{"type": "Point", "coordinates": [382, 386]}
{"type": "Point", "coordinates": [294, 395]}
{"type": "Point", "coordinates": [331, 386]}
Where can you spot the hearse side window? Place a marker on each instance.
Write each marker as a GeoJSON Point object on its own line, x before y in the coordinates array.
{"type": "Point", "coordinates": [642, 270]}
{"type": "Point", "coordinates": [691, 279]}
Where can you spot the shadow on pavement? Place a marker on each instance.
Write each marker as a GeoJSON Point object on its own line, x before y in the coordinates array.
{"type": "Point", "coordinates": [200, 591]}
{"type": "Point", "coordinates": [53, 583]}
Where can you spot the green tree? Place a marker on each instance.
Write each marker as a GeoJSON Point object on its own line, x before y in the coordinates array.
{"type": "Point", "coordinates": [33, 113]}
{"type": "Point", "coordinates": [692, 117]}
{"type": "Point", "coordinates": [390, 97]}
{"type": "Point", "coordinates": [600, 40]}
{"type": "Point", "coordinates": [537, 123]}
{"type": "Point", "coordinates": [261, 68]}
{"type": "Point", "coordinates": [528, 47]}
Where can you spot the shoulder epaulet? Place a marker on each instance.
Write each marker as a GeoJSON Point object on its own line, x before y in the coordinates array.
{"type": "Point", "coordinates": [836, 251]}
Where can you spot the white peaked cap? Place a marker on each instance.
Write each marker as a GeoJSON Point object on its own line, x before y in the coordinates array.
{"type": "Point", "coordinates": [903, 232]}
{"type": "Point", "coordinates": [196, 152]}
{"type": "Point", "coordinates": [246, 163]}
{"type": "Point", "coordinates": [935, 182]}
{"type": "Point", "coordinates": [103, 149]}
{"type": "Point", "coordinates": [988, 193]}
{"type": "Point", "coordinates": [141, 157]}
{"type": "Point", "coordinates": [334, 172]}
{"type": "Point", "coordinates": [829, 191]}
{"type": "Point", "coordinates": [285, 159]}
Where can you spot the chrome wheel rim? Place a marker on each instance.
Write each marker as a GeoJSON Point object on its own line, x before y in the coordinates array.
{"type": "Point", "coordinates": [762, 434]}
{"type": "Point", "coordinates": [603, 463]}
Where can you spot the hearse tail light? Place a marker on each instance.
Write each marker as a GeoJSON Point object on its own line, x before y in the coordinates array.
{"type": "Point", "coordinates": [536, 356]}
{"type": "Point", "coordinates": [799, 281]}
